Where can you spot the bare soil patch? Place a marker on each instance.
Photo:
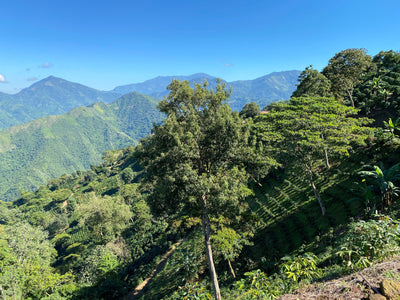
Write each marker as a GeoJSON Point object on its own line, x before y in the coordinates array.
{"type": "Point", "coordinates": [353, 286]}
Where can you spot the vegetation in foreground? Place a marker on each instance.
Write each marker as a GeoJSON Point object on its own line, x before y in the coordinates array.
{"type": "Point", "coordinates": [302, 193]}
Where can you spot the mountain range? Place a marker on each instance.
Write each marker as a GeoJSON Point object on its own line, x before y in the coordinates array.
{"type": "Point", "coordinates": [263, 90]}
{"type": "Point", "coordinates": [50, 96]}
{"type": "Point", "coordinates": [54, 96]}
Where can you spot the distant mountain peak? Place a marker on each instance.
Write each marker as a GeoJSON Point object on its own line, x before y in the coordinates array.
{"type": "Point", "coordinates": [49, 96]}
{"type": "Point", "coordinates": [263, 90]}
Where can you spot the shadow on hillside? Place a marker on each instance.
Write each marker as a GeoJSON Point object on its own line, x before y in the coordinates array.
{"type": "Point", "coordinates": [292, 216]}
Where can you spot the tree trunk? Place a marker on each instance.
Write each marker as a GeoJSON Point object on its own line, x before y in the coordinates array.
{"type": "Point", "coordinates": [2, 293]}
{"type": "Point", "coordinates": [317, 195]}
{"type": "Point", "coordinates": [207, 240]}
{"type": "Point", "coordinates": [351, 98]}
{"type": "Point", "coordinates": [230, 267]}
{"type": "Point", "coordinates": [326, 155]}
{"type": "Point", "coordinates": [327, 165]}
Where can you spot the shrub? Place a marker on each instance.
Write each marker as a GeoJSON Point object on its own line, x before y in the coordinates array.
{"type": "Point", "coordinates": [366, 241]}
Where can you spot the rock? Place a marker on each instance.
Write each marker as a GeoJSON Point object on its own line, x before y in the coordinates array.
{"type": "Point", "coordinates": [390, 289]}
{"type": "Point", "coordinates": [376, 297]}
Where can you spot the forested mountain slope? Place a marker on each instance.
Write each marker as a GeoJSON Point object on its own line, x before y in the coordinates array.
{"type": "Point", "coordinates": [33, 153]}
{"type": "Point", "coordinates": [50, 96]}
{"type": "Point", "coordinates": [304, 193]}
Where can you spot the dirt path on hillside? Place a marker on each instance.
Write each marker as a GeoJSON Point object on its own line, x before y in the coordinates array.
{"type": "Point", "coordinates": [160, 266]}
{"type": "Point", "coordinates": [353, 286]}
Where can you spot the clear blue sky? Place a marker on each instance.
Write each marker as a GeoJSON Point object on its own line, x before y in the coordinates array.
{"type": "Point", "coordinates": [104, 44]}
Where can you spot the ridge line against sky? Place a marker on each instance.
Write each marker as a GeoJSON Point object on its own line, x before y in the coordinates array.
{"type": "Point", "coordinates": [104, 44]}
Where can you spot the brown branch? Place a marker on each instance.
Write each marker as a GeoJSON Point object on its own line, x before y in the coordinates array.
{"type": "Point", "coordinates": [373, 288]}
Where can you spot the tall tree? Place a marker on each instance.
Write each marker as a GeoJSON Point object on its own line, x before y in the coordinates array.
{"type": "Point", "coordinates": [379, 93]}
{"type": "Point", "coordinates": [308, 131]}
{"type": "Point", "coordinates": [344, 71]}
{"type": "Point", "coordinates": [250, 110]}
{"type": "Point", "coordinates": [386, 60]}
{"type": "Point", "coordinates": [194, 161]}
{"type": "Point", "coordinates": [312, 83]}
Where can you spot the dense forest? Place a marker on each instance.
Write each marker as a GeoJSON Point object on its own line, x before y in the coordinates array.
{"type": "Point", "coordinates": [222, 204]}
{"type": "Point", "coordinates": [34, 152]}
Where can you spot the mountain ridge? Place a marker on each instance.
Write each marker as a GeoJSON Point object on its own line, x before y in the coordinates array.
{"type": "Point", "coordinates": [49, 96]}
{"type": "Point", "coordinates": [54, 96]}
{"type": "Point", "coordinates": [45, 148]}
{"type": "Point", "coordinates": [262, 90]}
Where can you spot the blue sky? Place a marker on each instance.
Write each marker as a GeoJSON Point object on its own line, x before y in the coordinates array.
{"type": "Point", "coordinates": [103, 44]}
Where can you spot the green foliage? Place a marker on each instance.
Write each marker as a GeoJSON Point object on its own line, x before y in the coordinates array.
{"type": "Point", "coordinates": [130, 192]}
{"type": "Point", "coordinates": [105, 216]}
{"type": "Point", "coordinates": [78, 139]}
{"type": "Point", "coordinates": [127, 175]}
{"type": "Point", "coordinates": [301, 267]}
{"type": "Point", "coordinates": [194, 153]}
{"type": "Point", "coordinates": [257, 285]}
{"type": "Point", "coordinates": [100, 261]}
{"type": "Point", "coordinates": [378, 94]}
{"type": "Point", "coordinates": [112, 232]}
{"type": "Point", "coordinates": [194, 161]}
{"type": "Point", "coordinates": [393, 127]}
{"type": "Point", "coordinates": [61, 195]}
{"type": "Point", "coordinates": [188, 259]}
{"type": "Point", "coordinates": [306, 131]}
{"type": "Point", "coordinates": [25, 270]}
{"type": "Point", "coordinates": [385, 180]}
{"type": "Point", "coordinates": [306, 127]}
{"type": "Point", "coordinates": [250, 110]}
{"type": "Point", "coordinates": [229, 243]}
{"type": "Point", "coordinates": [366, 241]}
{"type": "Point", "coordinates": [344, 71]}
{"type": "Point", "coordinates": [312, 83]}
{"type": "Point", "coordinates": [194, 291]}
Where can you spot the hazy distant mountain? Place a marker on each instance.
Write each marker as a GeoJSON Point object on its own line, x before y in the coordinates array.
{"type": "Point", "coordinates": [32, 153]}
{"type": "Point", "coordinates": [53, 96]}
{"type": "Point", "coordinates": [50, 96]}
{"type": "Point", "coordinates": [263, 90]}
{"type": "Point", "coordinates": [156, 87]}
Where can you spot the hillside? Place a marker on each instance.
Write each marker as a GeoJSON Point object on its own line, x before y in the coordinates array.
{"type": "Point", "coordinates": [50, 96]}
{"type": "Point", "coordinates": [33, 153]}
{"type": "Point", "coordinates": [302, 200]}
{"type": "Point", "coordinates": [76, 209]}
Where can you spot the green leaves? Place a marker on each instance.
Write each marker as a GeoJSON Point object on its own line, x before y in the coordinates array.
{"type": "Point", "coordinates": [25, 270]}
{"type": "Point", "coordinates": [305, 131]}
{"type": "Point", "coordinates": [198, 150]}
{"type": "Point", "coordinates": [344, 71]}
{"type": "Point", "coordinates": [368, 241]}
{"type": "Point", "coordinates": [301, 267]}
{"type": "Point", "coordinates": [312, 83]}
{"type": "Point", "coordinates": [195, 161]}
{"type": "Point", "coordinates": [385, 180]}
{"type": "Point", "coordinates": [105, 216]}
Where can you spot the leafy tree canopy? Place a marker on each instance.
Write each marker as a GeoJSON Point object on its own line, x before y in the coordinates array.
{"type": "Point", "coordinates": [250, 110]}
{"type": "Point", "coordinates": [194, 161]}
{"type": "Point", "coordinates": [305, 131]}
{"type": "Point", "coordinates": [312, 83]}
{"type": "Point", "coordinates": [344, 71]}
